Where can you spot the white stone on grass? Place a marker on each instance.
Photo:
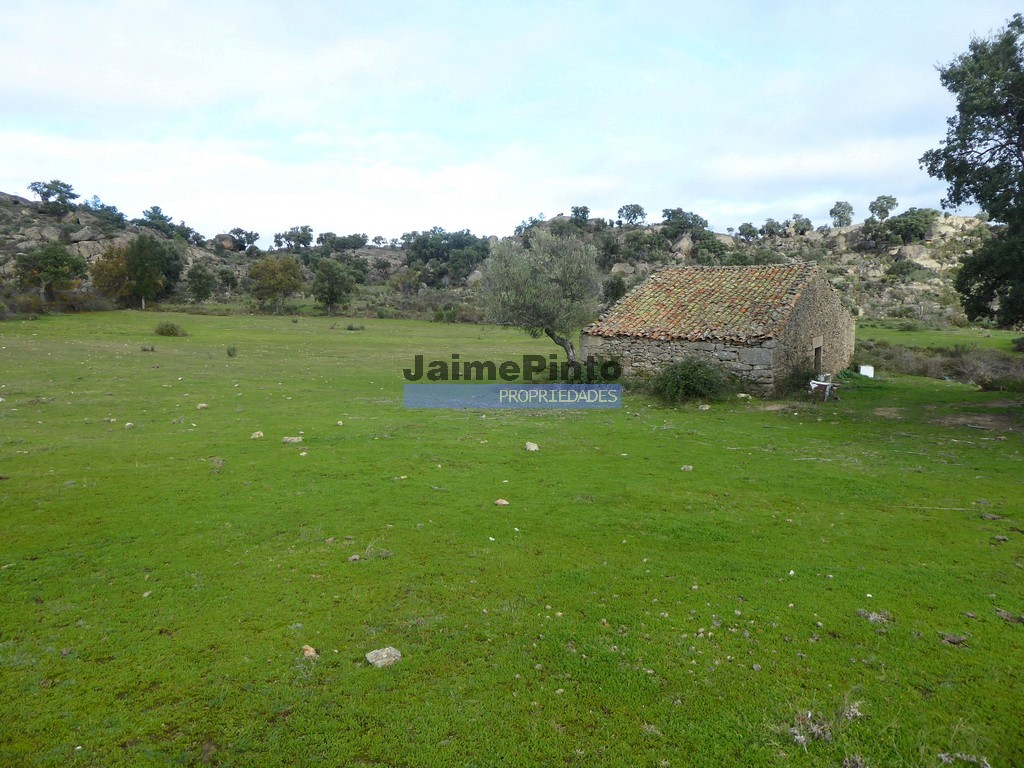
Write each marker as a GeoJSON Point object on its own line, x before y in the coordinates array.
{"type": "Point", "coordinates": [256, 435]}
{"type": "Point", "coordinates": [532, 446]}
{"type": "Point", "coordinates": [384, 657]}
{"type": "Point", "coordinates": [291, 439]}
{"type": "Point", "coordinates": [501, 503]}
{"type": "Point", "coordinates": [202, 407]}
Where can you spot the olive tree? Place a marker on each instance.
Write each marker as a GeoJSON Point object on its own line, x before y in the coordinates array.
{"type": "Point", "coordinates": [550, 287]}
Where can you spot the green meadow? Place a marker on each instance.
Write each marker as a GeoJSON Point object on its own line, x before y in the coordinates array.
{"type": "Point", "coordinates": [830, 584]}
{"type": "Point", "coordinates": [910, 333]}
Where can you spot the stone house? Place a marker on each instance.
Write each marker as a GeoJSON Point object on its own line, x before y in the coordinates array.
{"type": "Point", "coordinates": [760, 322]}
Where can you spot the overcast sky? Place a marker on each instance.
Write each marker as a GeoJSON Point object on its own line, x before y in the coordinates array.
{"type": "Point", "coordinates": [387, 117]}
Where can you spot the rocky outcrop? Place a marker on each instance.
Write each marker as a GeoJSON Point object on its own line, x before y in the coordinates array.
{"type": "Point", "coordinates": [85, 233]}
{"type": "Point", "coordinates": [25, 226]}
{"type": "Point", "coordinates": [227, 242]}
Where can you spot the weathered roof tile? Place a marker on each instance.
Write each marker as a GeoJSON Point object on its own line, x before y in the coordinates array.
{"type": "Point", "coordinates": [736, 304]}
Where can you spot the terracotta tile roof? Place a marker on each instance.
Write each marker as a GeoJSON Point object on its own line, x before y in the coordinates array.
{"type": "Point", "coordinates": [736, 304]}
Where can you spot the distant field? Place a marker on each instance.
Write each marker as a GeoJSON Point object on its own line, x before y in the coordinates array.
{"type": "Point", "coordinates": [828, 569]}
{"type": "Point", "coordinates": [895, 332]}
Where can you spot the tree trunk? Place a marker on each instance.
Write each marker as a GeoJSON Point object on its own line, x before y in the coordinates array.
{"type": "Point", "coordinates": [566, 344]}
{"type": "Point", "coordinates": [143, 303]}
{"type": "Point", "coordinates": [42, 295]}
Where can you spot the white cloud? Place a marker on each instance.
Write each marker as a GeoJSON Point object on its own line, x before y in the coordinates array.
{"type": "Point", "coordinates": [397, 116]}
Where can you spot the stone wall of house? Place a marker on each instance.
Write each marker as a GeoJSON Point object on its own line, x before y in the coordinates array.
{"type": "Point", "coordinates": [819, 317]}
{"type": "Point", "coordinates": [639, 356]}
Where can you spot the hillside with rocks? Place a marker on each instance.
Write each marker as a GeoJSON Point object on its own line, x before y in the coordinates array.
{"type": "Point", "coordinates": [26, 225]}
{"type": "Point", "coordinates": [911, 277]}
{"type": "Point", "coordinates": [877, 277]}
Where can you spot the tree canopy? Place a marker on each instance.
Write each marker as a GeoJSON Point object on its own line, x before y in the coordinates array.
{"type": "Point", "coordinates": [676, 222]}
{"type": "Point", "coordinates": [295, 238]}
{"type": "Point", "coordinates": [982, 161]}
{"type": "Point", "coordinates": [550, 287]}
{"type": "Point", "coordinates": [841, 214]}
{"type": "Point", "coordinates": [801, 224]}
{"type": "Point", "coordinates": [201, 281]}
{"type": "Point", "coordinates": [51, 267]}
{"type": "Point", "coordinates": [244, 238]}
{"type": "Point", "coordinates": [275, 278]}
{"type": "Point", "coordinates": [439, 257]}
{"type": "Point", "coordinates": [146, 268]}
{"type": "Point", "coordinates": [332, 284]}
{"type": "Point", "coordinates": [633, 214]}
{"type": "Point", "coordinates": [882, 206]}
{"type": "Point", "coordinates": [57, 195]}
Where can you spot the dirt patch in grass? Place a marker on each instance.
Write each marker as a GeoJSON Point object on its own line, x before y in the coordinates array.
{"type": "Point", "coordinates": [888, 413]}
{"type": "Point", "coordinates": [987, 421]}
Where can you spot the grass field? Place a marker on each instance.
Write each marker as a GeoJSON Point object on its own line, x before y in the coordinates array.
{"type": "Point", "coordinates": [825, 570]}
{"type": "Point", "coordinates": [910, 334]}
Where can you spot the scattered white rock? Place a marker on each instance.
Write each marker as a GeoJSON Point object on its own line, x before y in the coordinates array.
{"type": "Point", "coordinates": [501, 503]}
{"type": "Point", "coordinates": [291, 439]}
{"type": "Point", "coordinates": [256, 435]}
{"type": "Point", "coordinates": [341, 423]}
{"type": "Point", "coordinates": [304, 453]}
{"type": "Point", "coordinates": [686, 468]}
{"type": "Point", "coordinates": [384, 657]}
{"type": "Point", "coordinates": [309, 652]}
{"type": "Point", "coordinates": [743, 395]}
{"type": "Point", "coordinates": [202, 407]}
{"type": "Point", "coordinates": [704, 407]}
{"type": "Point", "coordinates": [532, 446]}
{"type": "Point", "coordinates": [128, 425]}
{"type": "Point", "coordinates": [354, 559]}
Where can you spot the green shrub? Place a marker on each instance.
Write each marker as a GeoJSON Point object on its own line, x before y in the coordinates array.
{"type": "Point", "coordinates": [232, 351]}
{"type": "Point", "coordinates": [796, 381]}
{"type": "Point", "coordinates": [1012, 384]}
{"type": "Point", "coordinates": [27, 304]}
{"type": "Point", "coordinates": [693, 379]}
{"type": "Point", "coordinates": [1018, 344]}
{"type": "Point", "coordinates": [614, 289]}
{"type": "Point", "coordinates": [167, 328]}
{"type": "Point", "coordinates": [351, 327]}
{"type": "Point", "coordinates": [987, 368]}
